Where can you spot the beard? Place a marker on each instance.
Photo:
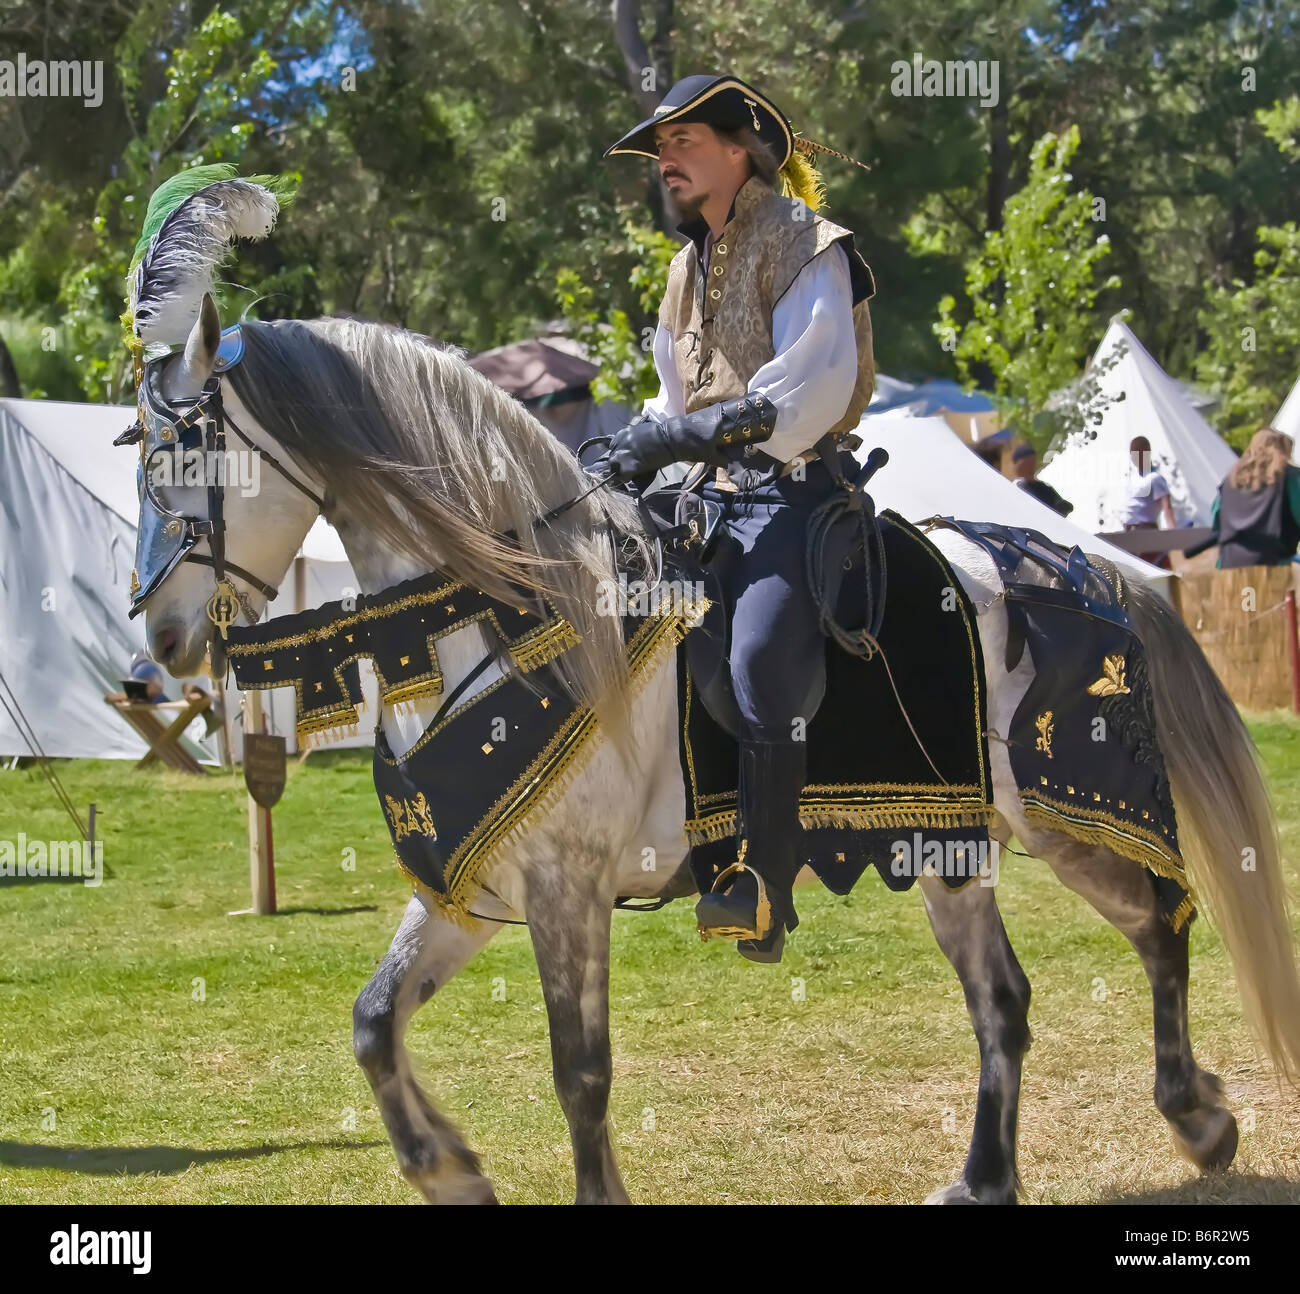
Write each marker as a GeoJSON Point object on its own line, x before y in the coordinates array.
{"type": "Point", "coordinates": [692, 206]}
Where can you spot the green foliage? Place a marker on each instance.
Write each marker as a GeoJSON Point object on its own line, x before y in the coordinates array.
{"type": "Point", "coordinates": [450, 151]}
{"type": "Point", "coordinates": [1032, 293]}
{"type": "Point", "coordinates": [616, 341]}
{"type": "Point", "coordinates": [1252, 352]}
{"type": "Point", "coordinates": [47, 368]}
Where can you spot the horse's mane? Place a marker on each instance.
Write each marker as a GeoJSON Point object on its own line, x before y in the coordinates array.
{"type": "Point", "coordinates": [439, 463]}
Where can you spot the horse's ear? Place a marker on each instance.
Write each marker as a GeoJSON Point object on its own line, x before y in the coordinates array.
{"type": "Point", "coordinates": [200, 350]}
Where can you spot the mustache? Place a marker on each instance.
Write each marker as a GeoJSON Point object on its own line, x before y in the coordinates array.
{"type": "Point", "coordinates": [671, 172]}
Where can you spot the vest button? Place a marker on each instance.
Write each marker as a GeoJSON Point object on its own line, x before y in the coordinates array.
{"type": "Point", "coordinates": [721, 249]}
{"type": "Point", "coordinates": [716, 293]}
{"type": "Point", "coordinates": [717, 269]}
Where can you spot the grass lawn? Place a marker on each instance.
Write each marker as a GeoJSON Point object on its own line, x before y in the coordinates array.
{"type": "Point", "coordinates": [155, 1048]}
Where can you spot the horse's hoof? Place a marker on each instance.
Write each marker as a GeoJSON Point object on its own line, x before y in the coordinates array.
{"type": "Point", "coordinates": [960, 1193]}
{"type": "Point", "coordinates": [463, 1191]}
{"type": "Point", "coordinates": [1207, 1137]}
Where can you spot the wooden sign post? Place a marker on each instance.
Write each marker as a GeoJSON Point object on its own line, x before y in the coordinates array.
{"type": "Point", "coordinates": [264, 774]}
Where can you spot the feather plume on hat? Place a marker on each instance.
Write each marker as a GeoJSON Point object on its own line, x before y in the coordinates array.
{"type": "Point", "coordinates": [800, 177]}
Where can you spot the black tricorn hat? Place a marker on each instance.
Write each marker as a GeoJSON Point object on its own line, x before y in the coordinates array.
{"type": "Point", "coordinates": [723, 101]}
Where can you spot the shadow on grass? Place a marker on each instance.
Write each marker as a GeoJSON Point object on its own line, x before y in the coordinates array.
{"type": "Point", "coordinates": [6, 881]}
{"type": "Point", "coordinates": [326, 912]}
{"type": "Point", "coordinates": [1216, 1188]}
{"type": "Point", "coordinates": [131, 1160]}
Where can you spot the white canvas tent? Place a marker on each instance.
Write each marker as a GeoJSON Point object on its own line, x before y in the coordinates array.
{"type": "Point", "coordinates": [1143, 400]}
{"type": "Point", "coordinates": [68, 512]}
{"type": "Point", "coordinates": [932, 473]}
{"type": "Point", "coordinates": [1288, 418]}
{"type": "Point", "coordinates": [67, 540]}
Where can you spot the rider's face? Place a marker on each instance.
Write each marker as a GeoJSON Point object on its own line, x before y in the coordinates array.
{"type": "Point", "coordinates": [697, 163]}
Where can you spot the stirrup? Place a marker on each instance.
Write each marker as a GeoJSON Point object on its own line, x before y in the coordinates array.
{"type": "Point", "coordinates": [763, 923]}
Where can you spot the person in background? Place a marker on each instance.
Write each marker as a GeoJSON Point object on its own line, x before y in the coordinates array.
{"type": "Point", "coordinates": [149, 672]}
{"type": "Point", "coordinates": [1256, 517]}
{"type": "Point", "coordinates": [1145, 497]}
{"type": "Point", "coordinates": [145, 686]}
{"type": "Point", "coordinates": [990, 451]}
{"type": "Point", "coordinates": [1024, 461]}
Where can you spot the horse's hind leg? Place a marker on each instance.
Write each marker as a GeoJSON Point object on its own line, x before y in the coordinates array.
{"type": "Point", "coordinates": [570, 926]}
{"type": "Point", "coordinates": [426, 952]}
{"type": "Point", "coordinates": [1188, 1096]}
{"type": "Point", "coordinates": [969, 929]}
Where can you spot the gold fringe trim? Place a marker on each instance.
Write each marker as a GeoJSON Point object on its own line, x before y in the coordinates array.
{"type": "Point", "coordinates": [545, 645]}
{"type": "Point", "coordinates": [339, 722]}
{"type": "Point", "coordinates": [1118, 841]}
{"type": "Point", "coordinates": [446, 909]}
{"type": "Point", "coordinates": [721, 826]}
{"type": "Point", "coordinates": [1182, 913]}
{"type": "Point", "coordinates": [659, 640]}
{"type": "Point", "coordinates": [405, 693]}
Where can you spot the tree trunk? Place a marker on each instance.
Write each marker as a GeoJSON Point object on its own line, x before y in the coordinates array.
{"type": "Point", "coordinates": [999, 165]}
{"type": "Point", "coordinates": [639, 61]}
{"type": "Point", "coordinates": [9, 383]}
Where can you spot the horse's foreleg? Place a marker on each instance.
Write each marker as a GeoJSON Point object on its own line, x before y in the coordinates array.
{"type": "Point", "coordinates": [1188, 1096]}
{"type": "Point", "coordinates": [969, 929]}
{"type": "Point", "coordinates": [426, 952]}
{"type": "Point", "coordinates": [570, 926]}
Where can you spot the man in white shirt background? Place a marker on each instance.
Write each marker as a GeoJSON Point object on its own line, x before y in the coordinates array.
{"type": "Point", "coordinates": [763, 349]}
{"type": "Point", "coordinates": [1144, 496]}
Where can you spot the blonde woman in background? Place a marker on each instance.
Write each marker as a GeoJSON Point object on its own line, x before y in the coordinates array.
{"type": "Point", "coordinates": [1256, 517]}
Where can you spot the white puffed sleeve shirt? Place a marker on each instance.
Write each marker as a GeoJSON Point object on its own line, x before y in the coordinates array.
{"type": "Point", "coordinates": [814, 367]}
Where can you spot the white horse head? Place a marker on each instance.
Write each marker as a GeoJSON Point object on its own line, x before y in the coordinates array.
{"type": "Point", "coordinates": [265, 514]}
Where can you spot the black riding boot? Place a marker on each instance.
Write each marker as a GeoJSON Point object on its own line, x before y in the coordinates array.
{"type": "Point", "coordinates": [752, 901]}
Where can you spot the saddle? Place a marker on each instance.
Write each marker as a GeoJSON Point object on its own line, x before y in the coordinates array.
{"type": "Point", "coordinates": [844, 536]}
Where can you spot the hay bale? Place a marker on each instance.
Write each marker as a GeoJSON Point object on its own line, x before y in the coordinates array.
{"type": "Point", "coordinates": [1239, 619]}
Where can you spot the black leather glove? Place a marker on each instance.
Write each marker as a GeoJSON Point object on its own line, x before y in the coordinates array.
{"type": "Point", "coordinates": [717, 435]}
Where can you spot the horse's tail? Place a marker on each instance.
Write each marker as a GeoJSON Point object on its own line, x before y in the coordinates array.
{"type": "Point", "coordinates": [1225, 820]}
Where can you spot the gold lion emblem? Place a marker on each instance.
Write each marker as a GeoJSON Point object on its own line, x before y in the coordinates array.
{"type": "Point", "coordinates": [1044, 725]}
{"type": "Point", "coordinates": [397, 816]}
{"type": "Point", "coordinates": [1112, 678]}
{"type": "Point", "coordinates": [423, 816]}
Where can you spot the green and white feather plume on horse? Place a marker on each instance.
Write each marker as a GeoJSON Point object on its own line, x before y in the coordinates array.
{"type": "Point", "coordinates": [193, 222]}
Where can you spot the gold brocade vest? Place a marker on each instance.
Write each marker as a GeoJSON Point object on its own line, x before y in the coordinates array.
{"type": "Point", "coordinates": [722, 328]}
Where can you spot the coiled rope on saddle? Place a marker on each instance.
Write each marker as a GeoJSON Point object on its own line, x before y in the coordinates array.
{"type": "Point", "coordinates": [843, 526]}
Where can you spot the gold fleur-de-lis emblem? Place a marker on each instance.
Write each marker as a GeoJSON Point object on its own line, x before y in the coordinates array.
{"type": "Point", "coordinates": [1044, 725]}
{"type": "Point", "coordinates": [1111, 681]}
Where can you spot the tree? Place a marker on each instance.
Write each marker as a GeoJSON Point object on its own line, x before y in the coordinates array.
{"type": "Point", "coordinates": [1252, 355]}
{"type": "Point", "coordinates": [1032, 293]}
{"type": "Point", "coordinates": [616, 341]}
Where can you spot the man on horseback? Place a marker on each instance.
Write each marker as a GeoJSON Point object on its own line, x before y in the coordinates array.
{"type": "Point", "coordinates": [763, 339]}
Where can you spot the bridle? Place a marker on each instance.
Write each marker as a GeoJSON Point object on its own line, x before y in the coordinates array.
{"type": "Point", "coordinates": [167, 535]}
